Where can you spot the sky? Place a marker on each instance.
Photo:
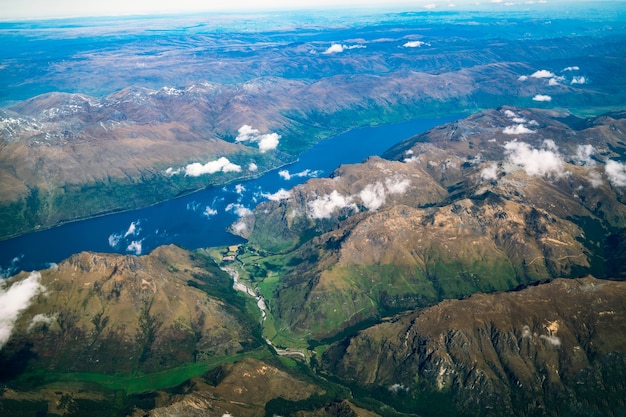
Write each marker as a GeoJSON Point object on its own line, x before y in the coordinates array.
{"type": "Point", "coordinates": [38, 9]}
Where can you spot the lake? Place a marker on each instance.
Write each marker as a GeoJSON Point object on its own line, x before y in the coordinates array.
{"type": "Point", "coordinates": [200, 219]}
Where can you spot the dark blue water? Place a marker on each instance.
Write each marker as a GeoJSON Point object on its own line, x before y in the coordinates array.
{"type": "Point", "coordinates": [200, 219]}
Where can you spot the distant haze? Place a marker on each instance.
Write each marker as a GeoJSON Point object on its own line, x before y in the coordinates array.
{"type": "Point", "coordinates": [40, 9]}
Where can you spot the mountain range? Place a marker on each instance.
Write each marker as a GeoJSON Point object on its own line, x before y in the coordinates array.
{"type": "Point", "coordinates": [472, 270]}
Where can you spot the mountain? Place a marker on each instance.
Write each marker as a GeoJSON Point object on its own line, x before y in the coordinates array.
{"type": "Point", "coordinates": [241, 389]}
{"type": "Point", "coordinates": [122, 315]}
{"type": "Point", "coordinates": [93, 123]}
{"type": "Point", "coordinates": [501, 199]}
{"type": "Point", "coordinates": [551, 349]}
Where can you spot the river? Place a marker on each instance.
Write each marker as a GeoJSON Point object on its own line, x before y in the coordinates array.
{"type": "Point", "coordinates": [200, 219]}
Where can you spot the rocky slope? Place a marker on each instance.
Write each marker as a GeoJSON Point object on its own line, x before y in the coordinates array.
{"type": "Point", "coordinates": [503, 198]}
{"type": "Point", "coordinates": [124, 314]}
{"type": "Point", "coordinates": [553, 349]}
{"type": "Point", "coordinates": [240, 389]}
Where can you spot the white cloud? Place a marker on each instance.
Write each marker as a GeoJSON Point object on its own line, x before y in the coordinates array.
{"type": "Point", "coordinates": [220, 165]}
{"type": "Point", "coordinates": [171, 171]}
{"type": "Point", "coordinates": [616, 172]}
{"type": "Point", "coordinates": [281, 194]}
{"type": "Point", "coordinates": [209, 212]}
{"type": "Point", "coordinates": [41, 319]}
{"type": "Point", "coordinates": [584, 155]}
{"type": "Point", "coordinates": [553, 340]}
{"type": "Point", "coordinates": [397, 185]}
{"type": "Point", "coordinates": [266, 142]}
{"type": "Point", "coordinates": [14, 300]}
{"type": "Point", "coordinates": [324, 207]}
{"type": "Point", "coordinates": [240, 227]}
{"type": "Point", "coordinates": [544, 161]}
{"type": "Point", "coordinates": [132, 229]}
{"type": "Point", "coordinates": [396, 388]}
{"type": "Point", "coordinates": [269, 142]}
{"type": "Point", "coordinates": [239, 189]}
{"type": "Point", "coordinates": [252, 167]}
{"type": "Point", "coordinates": [11, 269]}
{"type": "Point", "coordinates": [430, 6]}
{"type": "Point", "coordinates": [574, 68]}
{"type": "Point", "coordinates": [373, 196]}
{"type": "Point", "coordinates": [510, 114]}
{"type": "Point", "coordinates": [579, 80]}
{"type": "Point", "coordinates": [337, 48]}
{"type": "Point", "coordinates": [415, 44]}
{"type": "Point", "coordinates": [515, 118]}
{"type": "Point", "coordinates": [239, 209]}
{"type": "Point", "coordinates": [542, 97]}
{"type": "Point", "coordinates": [518, 129]}
{"type": "Point", "coordinates": [543, 74]}
{"type": "Point", "coordinates": [553, 82]}
{"type": "Point", "coordinates": [522, 78]}
{"type": "Point", "coordinates": [490, 172]}
{"type": "Point", "coordinates": [595, 179]}
{"type": "Point", "coordinates": [286, 175]}
{"type": "Point", "coordinates": [135, 247]}
{"type": "Point", "coordinates": [245, 133]}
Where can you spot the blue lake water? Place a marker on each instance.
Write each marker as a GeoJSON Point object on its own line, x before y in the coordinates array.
{"type": "Point", "coordinates": [200, 219]}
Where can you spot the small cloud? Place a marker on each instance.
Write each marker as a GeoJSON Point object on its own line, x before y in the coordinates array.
{"type": "Point", "coordinates": [135, 247]}
{"type": "Point", "coordinates": [490, 172]}
{"type": "Point", "coordinates": [574, 68]}
{"type": "Point", "coordinates": [542, 97]}
{"type": "Point", "coordinates": [616, 173]}
{"type": "Point", "coordinates": [240, 228]}
{"type": "Point", "coordinates": [171, 171]}
{"type": "Point", "coordinates": [41, 320]}
{"type": "Point", "coordinates": [397, 185]}
{"type": "Point", "coordinates": [337, 48]}
{"type": "Point", "coordinates": [595, 179]}
{"type": "Point", "coordinates": [269, 142]}
{"type": "Point", "coordinates": [584, 155]}
{"type": "Point", "coordinates": [14, 300]}
{"type": "Point", "coordinates": [522, 78]}
{"type": "Point", "coordinates": [415, 44]}
{"type": "Point", "coordinates": [396, 388]}
{"type": "Point", "coordinates": [220, 165]}
{"type": "Point", "coordinates": [239, 189]}
{"type": "Point", "coordinates": [133, 230]}
{"type": "Point", "coordinates": [266, 142]}
{"type": "Point", "coordinates": [11, 269]}
{"type": "Point", "coordinates": [239, 209]}
{"type": "Point", "coordinates": [518, 129]}
{"type": "Point", "coordinates": [543, 74]}
{"type": "Point", "coordinates": [373, 196]}
{"type": "Point", "coordinates": [209, 212]}
{"type": "Point", "coordinates": [510, 114]}
{"type": "Point", "coordinates": [281, 194]}
{"type": "Point", "coordinates": [544, 161]}
{"type": "Point", "coordinates": [430, 6]}
{"type": "Point", "coordinates": [578, 80]}
{"type": "Point", "coordinates": [324, 207]}
{"type": "Point", "coordinates": [553, 340]}
{"type": "Point", "coordinates": [307, 173]}
{"type": "Point", "coordinates": [252, 167]}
